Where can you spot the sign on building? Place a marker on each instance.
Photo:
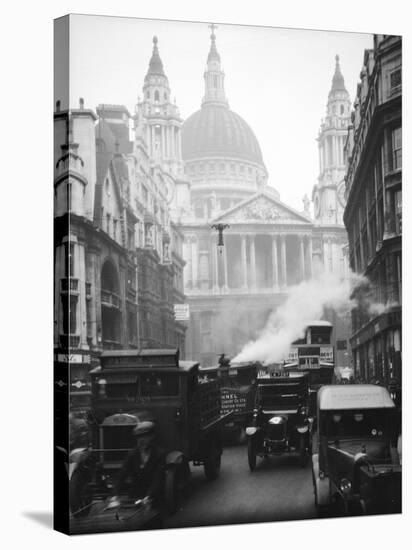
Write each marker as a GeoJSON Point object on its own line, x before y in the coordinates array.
{"type": "Point", "coordinates": [182, 312]}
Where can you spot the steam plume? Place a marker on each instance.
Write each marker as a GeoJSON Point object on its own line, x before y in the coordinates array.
{"type": "Point", "coordinates": [306, 302]}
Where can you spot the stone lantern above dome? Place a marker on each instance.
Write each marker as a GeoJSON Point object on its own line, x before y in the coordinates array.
{"type": "Point", "coordinates": [222, 156]}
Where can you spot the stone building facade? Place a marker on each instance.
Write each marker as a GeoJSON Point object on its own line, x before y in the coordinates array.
{"type": "Point", "coordinates": [373, 214]}
{"type": "Point", "coordinates": [118, 253]}
{"type": "Point", "coordinates": [269, 246]}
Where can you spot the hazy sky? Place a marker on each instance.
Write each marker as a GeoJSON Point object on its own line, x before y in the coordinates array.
{"type": "Point", "coordinates": [276, 79]}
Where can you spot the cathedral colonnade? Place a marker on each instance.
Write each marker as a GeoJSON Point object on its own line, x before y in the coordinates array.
{"type": "Point", "coordinates": [248, 262]}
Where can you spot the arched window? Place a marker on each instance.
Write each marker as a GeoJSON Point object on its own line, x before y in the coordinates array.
{"type": "Point", "coordinates": [110, 306]}
{"type": "Point", "coordinates": [215, 81]}
{"type": "Point", "coordinates": [157, 96]}
{"type": "Point", "coordinates": [109, 279]}
{"type": "Point", "coordinates": [148, 94]}
{"type": "Point", "coordinates": [165, 96]}
{"type": "Point", "coordinates": [342, 109]}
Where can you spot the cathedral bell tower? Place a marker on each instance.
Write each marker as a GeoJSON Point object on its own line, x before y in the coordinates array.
{"type": "Point", "coordinates": [214, 76]}
{"type": "Point", "coordinates": [157, 119]}
{"type": "Point", "coordinates": [328, 193]}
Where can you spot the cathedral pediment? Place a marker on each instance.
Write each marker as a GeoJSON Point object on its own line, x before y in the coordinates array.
{"type": "Point", "coordinates": [262, 208]}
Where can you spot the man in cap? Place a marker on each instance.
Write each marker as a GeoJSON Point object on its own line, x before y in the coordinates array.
{"type": "Point", "coordinates": [144, 466]}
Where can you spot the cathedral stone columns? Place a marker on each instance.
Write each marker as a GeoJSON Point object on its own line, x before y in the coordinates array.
{"type": "Point", "coordinates": [253, 261]}
{"type": "Point", "coordinates": [244, 261]}
{"type": "Point", "coordinates": [216, 267]}
{"type": "Point", "coordinates": [309, 256]}
{"type": "Point", "coordinates": [283, 260]}
{"type": "Point", "coordinates": [194, 263]}
{"type": "Point", "coordinates": [275, 262]}
{"type": "Point", "coordinates": [225, 281]}
{"type": "Point", "coordinates": [302, 258]}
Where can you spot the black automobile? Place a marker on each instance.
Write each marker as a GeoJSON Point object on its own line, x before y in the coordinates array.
{"type": "Point", "coordinates": [280, 420]}
{"type": "Point", "coordinates": [355, 460]}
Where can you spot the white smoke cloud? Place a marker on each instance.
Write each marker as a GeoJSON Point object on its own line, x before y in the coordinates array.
{"type": "Point", "coordinates": [306, 302]}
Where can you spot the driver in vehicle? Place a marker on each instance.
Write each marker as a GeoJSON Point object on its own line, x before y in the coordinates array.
{"type": "Point", "coordinates": [143, 467]}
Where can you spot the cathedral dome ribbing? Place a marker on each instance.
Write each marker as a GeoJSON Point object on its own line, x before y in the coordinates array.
{"type": "Point", "coordinates": [216, 131]}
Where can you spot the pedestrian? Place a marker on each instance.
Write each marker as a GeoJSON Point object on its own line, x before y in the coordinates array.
{"type": "Point", "coordinates": [143, 468]}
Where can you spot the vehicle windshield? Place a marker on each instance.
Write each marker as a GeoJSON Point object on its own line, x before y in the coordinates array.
{"type": "Point", "coordinates": [237, 378]}
{"type": "Point", "coordinates": [159, 385]}
{"type": "Point", "coordinates": [281, 396]}
{"type": "Point", "coordinates": [134, 388]}
{"type": "Point", "coordinates": [357, 423]}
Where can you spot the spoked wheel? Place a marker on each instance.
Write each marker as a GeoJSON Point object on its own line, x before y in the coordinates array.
{"type": "Point", "coordinates": [80, 494]}
{"type": "Point", "coordinates": [251, 454]}
{"type": "Point", "coordinates": [212, 461]}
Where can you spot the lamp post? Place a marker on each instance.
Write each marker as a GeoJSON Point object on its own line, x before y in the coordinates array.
{"type": "Point", "coordinates": [220, 227]}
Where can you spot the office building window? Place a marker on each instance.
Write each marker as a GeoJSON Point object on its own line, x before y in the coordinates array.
{"type": "Point", "coordinates": [396, 78]}
{"type": "Point", "coordinates": [397, 148]}
{"type": "Point", "coordinates": [398, 211]}
{"type": "Point", "coordinates": [69, 259]}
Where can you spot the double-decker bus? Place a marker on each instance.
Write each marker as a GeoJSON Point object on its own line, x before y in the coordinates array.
{"type": "Point", "coordinates": [314, 354]}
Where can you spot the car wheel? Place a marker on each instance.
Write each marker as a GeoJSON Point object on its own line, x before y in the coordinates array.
{"type": "Point", "coordinates": [171, 490]}
{"type": "Point", "coordinates": [303, 453]}
{"type": "Point", "coordinates": [212, 463]}
{"type": "Point", "coordinates": [320, 509]}
{"type": "Point", "coordinates": [80, 494]}
{"type": "Point", "coordinates": [251, 453]}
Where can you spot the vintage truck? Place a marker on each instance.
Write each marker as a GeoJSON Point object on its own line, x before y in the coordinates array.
{"type": "Point", "coordinates": [237, 382]}
{"type": "Point", "coordinates": [131, 385]}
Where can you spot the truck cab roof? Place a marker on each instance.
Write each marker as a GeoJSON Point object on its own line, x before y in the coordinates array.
{"type": "Point", "coordinates": [144, 359]}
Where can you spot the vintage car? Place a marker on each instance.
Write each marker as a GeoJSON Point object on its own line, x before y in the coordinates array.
{"type": "Point", "coordinates": [237, 391]}
{"type": "Point", "coordinates": [280, 420]}
{"type": "Point", "coordinates": [135, 385]}
{"type": "Point", "coordinates": [355, 461]}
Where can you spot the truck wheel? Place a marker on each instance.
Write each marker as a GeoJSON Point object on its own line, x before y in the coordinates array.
{"type": "Point", "coordinates": [242, 435]}
{"type": "Point", "coordinates": [80, 496]}
{"type": "Point", "coordinates": [211, 463]}
{"type": "Point", "coordinates": [251, 454]}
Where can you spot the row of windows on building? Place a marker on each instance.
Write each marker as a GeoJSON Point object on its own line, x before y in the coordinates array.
{"type": "Point", "coordinates": [380, 359]}
{"type": "Point", "coordinates": [156, 95]}
{"type": "Point", "coordinates": [370, 223]}
{"type": "Point", "coordinates": [150, 202]}
{"type": "Point", "coordinates": [339, 109]}
{"type": "Point", "coordinates": [362, 125]}
{"type": "Point", "coordinates": [220, 168]}
{"type": "Point", "coordinates": [385, 288]}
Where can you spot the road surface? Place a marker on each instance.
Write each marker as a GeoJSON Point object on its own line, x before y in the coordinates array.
{"type": "Point", "coordinates": [279, 489]}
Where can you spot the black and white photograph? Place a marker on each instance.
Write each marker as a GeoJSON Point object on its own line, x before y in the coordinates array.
{"type": "Point", "coordinates": [227, 206]}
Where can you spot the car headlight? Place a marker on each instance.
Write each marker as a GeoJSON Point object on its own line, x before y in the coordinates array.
{"type": "Point", "coordinates": [302, 429]}
{"type": "Point", "coordinates": [345, 486]}
{"type": "Point", "coordinates": [251, 430]}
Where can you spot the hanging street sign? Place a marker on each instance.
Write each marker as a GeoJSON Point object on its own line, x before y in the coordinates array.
{"type": "Point", "coordinates": [182, 312]}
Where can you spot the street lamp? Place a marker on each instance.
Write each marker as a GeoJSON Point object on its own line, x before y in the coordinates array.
{"type": "Point", "coordinates": [220, 227]}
